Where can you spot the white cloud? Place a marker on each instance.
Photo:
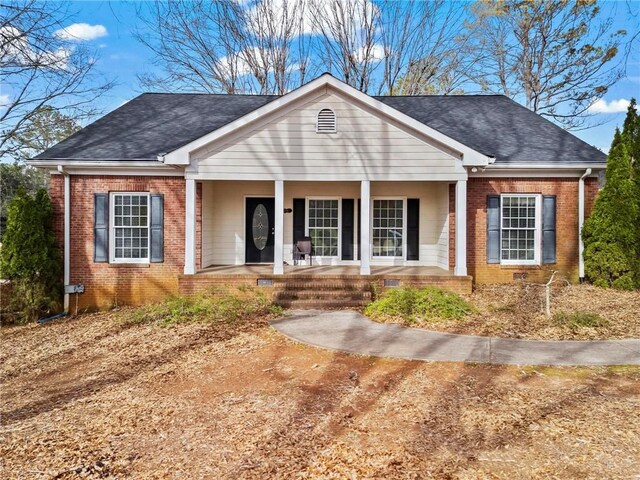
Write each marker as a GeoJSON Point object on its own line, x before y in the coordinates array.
{"type": "Point", "coordinates": [614, 106]}
{"type": "Point", "coordinates": [82, 32]}
{"type": "Point", "coordinates": [16, 49]}
{"type": "Point", "coordinates": [239, 63]}
{"type": "Point", "coordinates": [374, 52]}
{"type": "Point", "coordinates": [4, 101]}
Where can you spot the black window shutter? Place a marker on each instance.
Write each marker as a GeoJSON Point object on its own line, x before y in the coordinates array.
{"type": "Point", "coordinates": [347, 228]}
{"type": "Point", "coordinates": [298, 219]}
{"type": "Point", "coordinates": [157, 229]}
{"type": "Point", "coordinates": [413, 229]}
{"type": "Point", "coordinates": [100, 227]}
{"type": "Point", "coordinates": [493, 229]}
{"type": "Point", "coordinates": [549, 229]}
{"type": "Point", "coordinates": [359, 229]}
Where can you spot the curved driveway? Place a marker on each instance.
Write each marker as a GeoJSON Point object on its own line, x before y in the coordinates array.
{"type": "Point", "coordinates": [349, 331]}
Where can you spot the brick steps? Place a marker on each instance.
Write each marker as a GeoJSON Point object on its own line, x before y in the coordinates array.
{"type": "Point", "coordinates": [320, 304]}
{"type": "Point", "coordinates": [334, 286]}
{"type": "Point", "coordinates": [330, 295]}
{"type": "Point", "coordinates": [325, 293]}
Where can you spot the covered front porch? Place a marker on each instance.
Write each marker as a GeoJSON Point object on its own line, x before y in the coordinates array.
{"type": "Point", "coordinates": [357, 228]}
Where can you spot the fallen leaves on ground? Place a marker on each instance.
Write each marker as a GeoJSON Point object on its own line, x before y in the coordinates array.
{"type": "Point", "coordinates": [91, 397]}
{"type": "Point", "coordinates": [517, 311]}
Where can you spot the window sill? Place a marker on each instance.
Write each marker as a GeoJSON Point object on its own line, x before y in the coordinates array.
{"type": "Point", "coordinates": [129, 265]}
{"type": "Point", "coordinates": [520, 266]}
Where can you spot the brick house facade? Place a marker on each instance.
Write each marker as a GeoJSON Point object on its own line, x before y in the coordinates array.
{"type": "Point", "coordinates": [411, 190]}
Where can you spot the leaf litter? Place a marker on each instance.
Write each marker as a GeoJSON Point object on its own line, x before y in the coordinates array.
{"type": "Point", "coordinates": [94, 397]}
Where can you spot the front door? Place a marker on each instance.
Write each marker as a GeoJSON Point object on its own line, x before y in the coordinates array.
{"type": "Point", "coordinates": [259, 230]}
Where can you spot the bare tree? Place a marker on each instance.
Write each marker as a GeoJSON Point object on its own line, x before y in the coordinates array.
{"type": "Point", "coordinates": [392, 47]}
{"type": "Point", "coordinates": [195, 45]}
{"type": "Point", "coordinates": [39, 68]}
{"type": "Point", "coordinates": [557, 57]}
{"type": "Point", "coordinates": [274, 46]}
{"type": "Point", "coordinates": [348, 39]}
{"type": "Point", "coordinates": [425, 47]}
{"type": "Point", "coordinates": [276, 49]}
{"type": "Point", "coordinates": [225, 46]}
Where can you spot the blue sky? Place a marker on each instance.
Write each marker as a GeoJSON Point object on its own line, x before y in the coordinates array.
{"type": "Point", "coordinates": [121, 58]}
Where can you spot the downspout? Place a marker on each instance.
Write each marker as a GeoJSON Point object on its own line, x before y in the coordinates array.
{"type": "Point", "coordinates": [67, 233]}
{"type": "Point", "coordinates": [581, 223]}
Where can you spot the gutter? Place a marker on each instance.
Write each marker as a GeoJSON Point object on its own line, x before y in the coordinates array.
{"type": "Point", "coordinates": [67, 233]}
{"type": "Point", "coordinates": [580, 224]}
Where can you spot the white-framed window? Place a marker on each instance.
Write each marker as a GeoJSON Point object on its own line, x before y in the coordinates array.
{"type": "Point", "coordinates": [520, 229]}
{"type": "Point", "coordinates": [388, 221]}
{"type": "Point", "coordinates": [129, 225]}
{"type": "Point", "coordinates": [323, 225]}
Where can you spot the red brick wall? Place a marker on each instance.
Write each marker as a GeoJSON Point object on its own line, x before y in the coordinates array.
{"type": "Point", "coordinates": [107, 284]}
{"type": "Point", "coordinates": [56, 192]}
{"type": "Point", "coordinates": [566, 191]}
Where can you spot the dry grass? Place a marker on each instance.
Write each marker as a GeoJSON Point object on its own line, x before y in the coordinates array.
{"type": "Point", "coordinates": [108, 399]}
{"type": "Point", "coordinates": [517, 311]}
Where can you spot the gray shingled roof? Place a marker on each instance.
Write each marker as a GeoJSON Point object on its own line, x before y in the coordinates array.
{"type": "Point", "coordinates": [155, 123]}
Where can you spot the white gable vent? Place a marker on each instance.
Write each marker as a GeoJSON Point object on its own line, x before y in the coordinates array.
{"type": "Point", "coordinates": [326, 121]}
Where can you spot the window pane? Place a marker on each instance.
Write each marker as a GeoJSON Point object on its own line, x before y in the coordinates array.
{"type": "Point", "coordinates": [130, 226]}
{"type": "Point", "coordinates": [388, 230]}
{"type": "Point", "coordinates": [323, 227]}
{"type": "Point", "coordinates": [518, 228]}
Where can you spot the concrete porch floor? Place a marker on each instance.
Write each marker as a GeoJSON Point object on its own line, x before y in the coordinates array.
{"type": "Point", "coordinates": [347, 270]}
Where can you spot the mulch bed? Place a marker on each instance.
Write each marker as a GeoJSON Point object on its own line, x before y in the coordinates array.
{"type": "Point", "coordinates": [517, 311]}
{"type": "Point", "coordinates": [93, 398]}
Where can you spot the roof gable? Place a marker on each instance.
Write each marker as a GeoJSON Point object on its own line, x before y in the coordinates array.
{"type": "Point", "coordinates": [285, 144]}
{"type": "Point", "coordinates": [320, 85]}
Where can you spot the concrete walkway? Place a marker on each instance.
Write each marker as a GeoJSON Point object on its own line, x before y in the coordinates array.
{"type": "Point", "coordinates": [349, 331]}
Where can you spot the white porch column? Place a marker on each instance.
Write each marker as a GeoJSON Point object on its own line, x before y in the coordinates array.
{"type": "Point", "coordinates": [190, 228]}
{"type": "Point", "coordinates": [278, 252]}
{"type": "Point", "coordinates": [461, 228]}
{"type": "Point", "coordinates": [365, 232]}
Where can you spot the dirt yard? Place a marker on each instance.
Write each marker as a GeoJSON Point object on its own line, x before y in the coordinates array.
{"type": "Point", "coordinates": [93, 397]}
{"type": "Point", "coordinates": [517, 311]}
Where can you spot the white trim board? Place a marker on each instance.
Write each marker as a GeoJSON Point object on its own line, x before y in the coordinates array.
{"type": "Point", "coordinates": [112, 229]}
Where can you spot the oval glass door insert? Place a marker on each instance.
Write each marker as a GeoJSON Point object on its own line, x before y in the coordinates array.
{"type": "Point", "coordinates": [260, 227]}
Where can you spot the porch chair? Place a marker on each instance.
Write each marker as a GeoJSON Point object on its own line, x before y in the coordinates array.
{"type": "Point", "coordinates": [302, 249]}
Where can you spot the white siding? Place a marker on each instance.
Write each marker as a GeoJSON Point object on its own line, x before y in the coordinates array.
{"type": "Point", "coordinates": [286, 146]}
{"type": "Point", "coordinates": [223, 215]}
{"type": "Point", "coordinates": [223, 219]}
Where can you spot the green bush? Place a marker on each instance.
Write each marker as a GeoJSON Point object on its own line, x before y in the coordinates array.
{"type": "Point", "coordinates": [612, 233]}
{"type": "Point", "coordinates": [579, 319]}
{"type": "Point", "coordinates": [29, 257]}
{"type": "Point", "coordinates": [413, 304]}
{"type": "Point", "coordinates": [230, 305]}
